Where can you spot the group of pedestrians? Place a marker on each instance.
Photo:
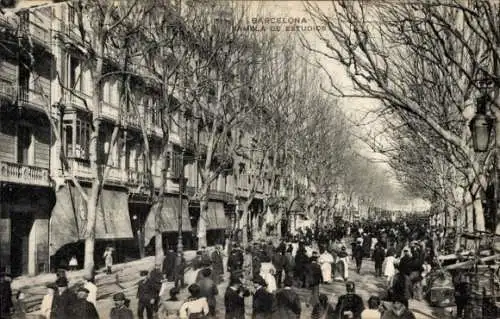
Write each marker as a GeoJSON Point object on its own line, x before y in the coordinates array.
{"type": "Point", "coordinates": [271, 274]}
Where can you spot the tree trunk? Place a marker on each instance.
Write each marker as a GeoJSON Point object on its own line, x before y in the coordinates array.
{"type": "Point", "coordinates": [244, 225]}
{"type": "Point", "coordinates": [278, 222]}
{"type": "Point", "coordinates": [89, 254]}
{"type": "Point", "coordinates": [479, 214]}
{"type": "Point", "coordinates": [90, 227]}
{"type": "Point", "coordinates": [202, 223]}
{"type": "Point", "coordinates": [158, 248]}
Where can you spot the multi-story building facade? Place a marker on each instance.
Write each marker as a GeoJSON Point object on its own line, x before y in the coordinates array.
{"type": "Point", "coordinates": [45, 132]}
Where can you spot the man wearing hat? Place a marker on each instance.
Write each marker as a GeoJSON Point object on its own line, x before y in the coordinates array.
{"type": "Point", "coordinates": [218, 264]}
{"type": "Point", "coordinates": [234, 301]}
{"type": "Point", "coordinates": [315, 278]}
{"type": "Point", "coordinates": [82, 308]}
{"type": "Point", "coordinates": [350, 302]}
{"type": "Point", "coordinates": [146, 294]}
{"type": "Point", "coordinates": [64, 300]}
{"type": "Point", "coordinates": [156, 277]}
{"type": "Point", "coordinates": [262, 304]}
{"type": "Point", "coordinates": [120, 311]}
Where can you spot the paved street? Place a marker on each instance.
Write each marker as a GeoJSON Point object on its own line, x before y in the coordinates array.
{"type": "Point", "coordinates": [366, 286]}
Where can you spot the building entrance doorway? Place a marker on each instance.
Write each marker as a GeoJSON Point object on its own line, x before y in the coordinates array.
{"type": "Point", "coordinates": [21, 225]}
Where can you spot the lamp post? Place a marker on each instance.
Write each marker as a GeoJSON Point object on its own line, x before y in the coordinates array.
{"type": "Point", "coordinates": [182, 183]}
{"type": "Point", "coordinates": [481, 126]}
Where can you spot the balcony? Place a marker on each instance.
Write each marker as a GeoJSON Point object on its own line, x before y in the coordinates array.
{"type": "Point", "coordinates": [109, 111]}
{"type": "Point", "coordinates": [78, 99]}
{"type": "Point", "coordinates": [8, 90]}
{"type": "Point", "coordinates": [137, 178]}
{"type": "Point", "coordinates": [130, 119]}
{"type": "Point", "coordinates": [228, 197]}
{"type": "Point", "coordinates": [117, 176]}
{"type": "Point", "coordinates": [34, 98]}
{"type": "Point", "coordinates": [38, 34]}
{"type": "Point", "coordinates": [24, 174]}
{"type": "Point", "coordinates": [80, 169]}
{"type": "Point", "coordinates": [34, 32]}
{"type": "Point", "coordinates": [70, 30]}
{"type": "Point", "coordinates": [216, 195]}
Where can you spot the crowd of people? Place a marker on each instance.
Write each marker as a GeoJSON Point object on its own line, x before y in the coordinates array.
{"type": "Point", "coordinates": [403, 256]}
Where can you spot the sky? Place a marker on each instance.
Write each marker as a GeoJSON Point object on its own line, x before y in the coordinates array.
{"type": "Point", "coordinates": [285, 16]}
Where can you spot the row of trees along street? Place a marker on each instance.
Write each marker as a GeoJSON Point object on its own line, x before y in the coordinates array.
{"type": "Point", "coordinates": [252, 95]}
{"type": "Point", "coordinates": [424, 63]}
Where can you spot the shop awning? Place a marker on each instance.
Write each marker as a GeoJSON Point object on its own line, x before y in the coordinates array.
{"type": "Point", "coordinates": [216, 218]}
{"type": "Point", "coordinates": [164, 216]}
{"type": "Point", "coordinates": [69, 217]}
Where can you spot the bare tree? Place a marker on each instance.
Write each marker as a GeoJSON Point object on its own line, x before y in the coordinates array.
{"type": "Point", "coordinates": [420, 61]}
{"type": "Point", "coordinates": [90, 35]}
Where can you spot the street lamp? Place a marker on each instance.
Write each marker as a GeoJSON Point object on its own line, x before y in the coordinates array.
{"type": "Point", "coordinates": [481, 125]}
{"type": "Point", "coordinates": [182, 183]}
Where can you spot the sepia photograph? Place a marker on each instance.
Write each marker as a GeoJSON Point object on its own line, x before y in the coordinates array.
{"type": "Point", "coordinates": [286, 159]}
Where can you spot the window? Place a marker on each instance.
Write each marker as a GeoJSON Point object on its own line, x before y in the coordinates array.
{"type": "Point", "coordinates": [75, 73]}
{"type": "Point", "coordinates": [155, 116]}
{"type": "Point", "coordinates": [82, 141]}
{"type": "Point", "coordinates": [24, 145]}
{"type": "Point", "coordinates": [72, 15]}
{"type": "Point", "coordinates": [68, 138]}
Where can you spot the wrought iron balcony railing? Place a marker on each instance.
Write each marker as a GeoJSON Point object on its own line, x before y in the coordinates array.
{"type": "Point", "coordinates": [24, 174]}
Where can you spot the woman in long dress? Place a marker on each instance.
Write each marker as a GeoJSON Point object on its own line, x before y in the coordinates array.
{"type": "Point", "coordinates": [342, 265]}
{"type": "Point", "coordinates": [388, 268]}
{"type": "Point", "coordinates": [108, 259]}
{"type": "Point", "coordinates": [267, 272]}
{"type": "Point", "coordinates": [325, 260]}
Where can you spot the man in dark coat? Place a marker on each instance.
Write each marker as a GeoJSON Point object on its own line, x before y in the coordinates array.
{"type": "Point", "coordinates": [378, 258]}
{"type": "Point", "coordinates": [156, 277]}
{"type": "Point", "coordinates": [5, 296]}
{"type": "Point", "coordinates": [288, 301]}
{"type": "Point", "coordinates": [256, 263]}
{"type": "Point", "coordinates": [262, 304]}
{"type": "Point", "coordinates": [315, 278]}
{"type": "Point", "coordinates": [235, 260]}
{"type": "Point", "coordinates": [64, 301]}
{"type": "Point", "coordinates": [217, 264]}
{"type": "Point", "coordinates": [357, 254]}
{"type": "Point", "coordinates": [406, 263]}
{"type": "Point", "coordinates": [120, 311]}
{"type": "Point", "coordinates": [208, 289]}
{"type": "Point", "coordinates": [169, 264]}
{"type": "Point", "coordinates": [367, 245]}
{"type": "Point", "coordinates": [234, 301]}
{"type": "Point", "coordinates": [206, 261]}
{"type": "Point", "coordinates": [146, 295]}
{"type": "Point", "coordinates": [279, 261]}
{"type": "Point", "coordinates": [82, 308]}
{"type": "Point", "coordinates": [350, 302]}
{"type": "Point", "coordinates": [301, 263]}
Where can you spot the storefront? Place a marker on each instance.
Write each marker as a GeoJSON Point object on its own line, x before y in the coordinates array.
{"type": "Point", "coordinates": [24, 228]}
{"type": "Point", "coordinates": [69, 221]}
{"type": "Point", "coordinates": [164, 217]}
{"type": "Point", "coordinates": [216, 223]}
